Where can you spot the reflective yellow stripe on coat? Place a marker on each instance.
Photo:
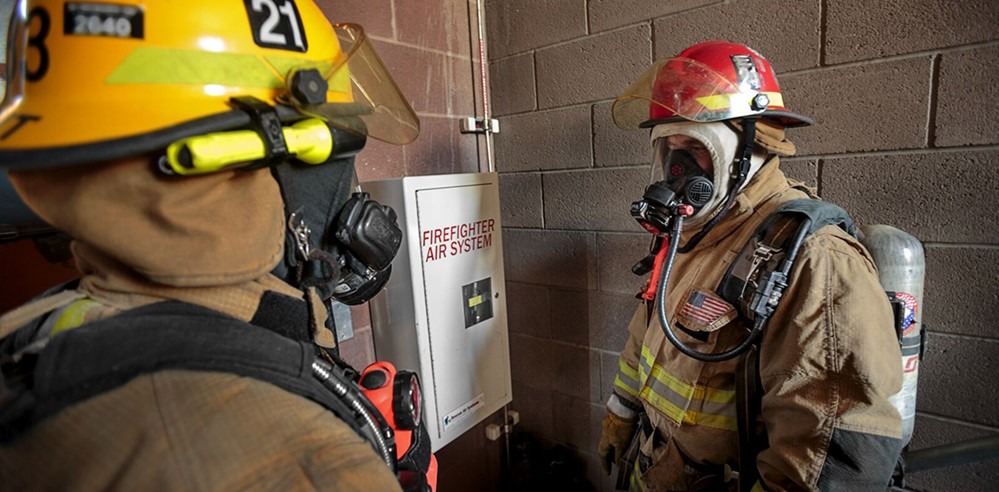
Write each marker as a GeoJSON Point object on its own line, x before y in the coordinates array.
{"type": "Point", "coordinates": [627, 379]}
{"type": "Point", "coordinates": [680, 401]}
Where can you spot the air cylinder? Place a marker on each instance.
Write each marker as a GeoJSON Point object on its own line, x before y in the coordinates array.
{"type": "Point", "coordinates": [901, 268]}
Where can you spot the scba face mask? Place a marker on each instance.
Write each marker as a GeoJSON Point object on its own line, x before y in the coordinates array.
{"type": "Point", "coordinates": [369, 237]}
{"type": "Point", "coordinates": [692, 185]}
{"type": "Point", "coordinates": [339, 240]}
{"type": "Point", "coordinates": [676, 180]}
{"type": "Point", "coordinates": [722, 143]}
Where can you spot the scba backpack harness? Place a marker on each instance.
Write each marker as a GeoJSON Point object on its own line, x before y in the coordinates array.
{"type": "Point", "coordinates": [755, 283]}
{"type": "Point", "coordinates": [103, 355]}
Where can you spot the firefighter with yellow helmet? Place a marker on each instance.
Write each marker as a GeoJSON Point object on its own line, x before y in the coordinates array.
{"type": "Point", "coordinates": [200, 154]}
{"type": "Point", "coordinates": [762, 357]}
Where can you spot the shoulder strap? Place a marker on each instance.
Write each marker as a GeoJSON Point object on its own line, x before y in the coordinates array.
{"type": "Point", "coordinates": [103, 355]}
{"type": "Point", "coordinates": [752, 434]}
{"type": "Point", "coordinates": [768, 257]}
{"type": "Point", "coordinates": [820, 213]}
{"type": "Point", "coordinates": [776, 237]}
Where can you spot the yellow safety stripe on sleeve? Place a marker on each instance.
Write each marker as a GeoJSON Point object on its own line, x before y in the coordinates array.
{"type": "Point", "coordinates": [72, 315]}
{"type": "Point", "coordinates": [154, 65]}
{"type": "Point", "coordinates": [693, 392]}
{"type": "Point", "coordinates": [675, 398]}
{"type": "Point", "coordinates": [689, 417]}
{"type": "Point", "coordinates": [643, 367]}
{"type": "Point", "coordinates": [757, 487]}
{"type": "Point", "coordinates": [623, 385]}
{"type": "Point", "coordinates": [627, 379]}
{"type": "Point", "coordinates": [626, 369]}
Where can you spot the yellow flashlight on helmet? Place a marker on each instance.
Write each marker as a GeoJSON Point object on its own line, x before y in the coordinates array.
{"type": "Point", "coordinates": [310, 141]}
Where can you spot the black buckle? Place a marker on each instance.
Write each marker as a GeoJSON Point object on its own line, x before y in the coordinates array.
{"type": "Point", "coordinates": [265, 121]}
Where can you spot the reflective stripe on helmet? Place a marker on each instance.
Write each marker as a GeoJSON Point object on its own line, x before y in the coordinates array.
{"type": "Point", "coordinates": [708, 82]}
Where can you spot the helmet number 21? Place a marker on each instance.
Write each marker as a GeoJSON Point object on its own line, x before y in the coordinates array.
{"type": "Point", "coordinates": [272, 24]}
{"type": "Point", "coordinates": [37, 42]}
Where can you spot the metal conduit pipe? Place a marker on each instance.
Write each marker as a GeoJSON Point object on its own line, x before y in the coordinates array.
{"type": "Point", "coordinates": [484, 72]}
{"type": "Point", "coordinates": [953, 454]}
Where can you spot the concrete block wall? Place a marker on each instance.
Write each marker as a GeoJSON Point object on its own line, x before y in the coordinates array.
{"type": "Point", "coordinates": [904, 96]}
{"type": "Point", "coordinates": [431, 49]}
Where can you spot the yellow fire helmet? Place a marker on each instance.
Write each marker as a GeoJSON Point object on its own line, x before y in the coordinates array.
{"type": "Point", "coordinates": [95, 81]}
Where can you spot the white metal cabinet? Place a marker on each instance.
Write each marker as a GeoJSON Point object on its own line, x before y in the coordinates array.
{"type": "Point", "coordinates": [443, 311]}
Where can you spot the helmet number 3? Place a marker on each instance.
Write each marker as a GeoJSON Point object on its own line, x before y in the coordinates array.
{"type": "Point", "coordinates": [36, 42]}
{"type": "Point", "coordinates": [276, 24]}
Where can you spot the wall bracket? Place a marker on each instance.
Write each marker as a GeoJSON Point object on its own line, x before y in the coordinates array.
{"type": "Point", "coordinates": [479, 125]}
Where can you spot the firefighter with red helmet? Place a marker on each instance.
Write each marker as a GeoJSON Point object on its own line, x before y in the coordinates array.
{"type": "Point", "coordinates": [817, 354]}
{"type": "Point", "coordinates": [201, 156]}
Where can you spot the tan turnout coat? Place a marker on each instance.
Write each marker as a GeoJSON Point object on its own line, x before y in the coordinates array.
{"type": "Point", "coordinates": [829, 362]}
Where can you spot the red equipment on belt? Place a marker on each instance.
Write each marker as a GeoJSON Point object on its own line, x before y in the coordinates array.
{"type": "Point", "coordinates": [397, 396]}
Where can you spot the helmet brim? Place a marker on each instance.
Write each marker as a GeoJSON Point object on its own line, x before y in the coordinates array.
{"type": "Point", "coordinates": [109, 150]}
{"type": "Point", "coordinates": [785, 118]}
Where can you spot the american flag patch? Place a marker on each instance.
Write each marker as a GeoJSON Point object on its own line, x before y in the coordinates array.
{"type": "Point", "coordinates": [911, 308]}
{"type": "Point", "coordinates": [705, 311]}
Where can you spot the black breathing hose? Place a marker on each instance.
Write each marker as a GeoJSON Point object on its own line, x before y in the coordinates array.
{"type": "Point", "coordinates": [328, 377]}
{"type": "Point", "coordinates": [803, 229]}
{"type": "Point", "coordinates": [761, 318]}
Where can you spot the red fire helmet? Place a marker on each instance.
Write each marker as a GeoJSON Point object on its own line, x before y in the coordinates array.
{"type": "Point", "coordinates": [710, 81]}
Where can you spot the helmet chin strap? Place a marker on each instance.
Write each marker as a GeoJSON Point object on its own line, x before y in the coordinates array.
{"type": "Point", "coordinates": [742, 173]}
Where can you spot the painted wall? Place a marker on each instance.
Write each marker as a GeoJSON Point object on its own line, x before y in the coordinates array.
{"type": "Point", "coordinates": [904, 95]}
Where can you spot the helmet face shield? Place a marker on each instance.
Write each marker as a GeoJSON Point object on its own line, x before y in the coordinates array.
{"type": "Point", "coordinates": [378, 108]}
{"type": "Point", "coordinates": [688, 89]}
